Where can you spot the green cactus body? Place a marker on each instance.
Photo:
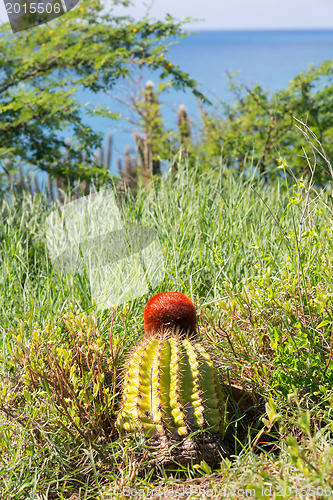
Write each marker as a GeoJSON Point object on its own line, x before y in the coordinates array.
{"type": "Point", "coordinates": [176, 374]}
{"type": "Point", "coordinates": [192, 388]}
{"type": "Point", "coordinates": [160, 387]}
{"type": "Point", "coordinates": [211, 395]}
{"type": "Point", "coordinates": [170, 388]}
{"type": "Point", "coordinates": [137, 389]}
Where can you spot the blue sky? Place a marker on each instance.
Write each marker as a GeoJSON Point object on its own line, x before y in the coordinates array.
{"type": "Point", "coordinates": [236, 14]}
{"type": "Point", "coordinates": [243, 14]}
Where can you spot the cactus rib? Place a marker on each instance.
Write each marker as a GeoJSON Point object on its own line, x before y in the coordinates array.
{"type": "Point", "coordinates": [171, 390]}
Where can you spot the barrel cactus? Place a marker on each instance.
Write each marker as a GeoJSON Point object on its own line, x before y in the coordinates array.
{"type": "Point", "coordinates": [170, 388]}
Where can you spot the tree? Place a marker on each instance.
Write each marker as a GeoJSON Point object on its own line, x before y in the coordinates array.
{"type": "Point", "coordinates": [41, 70]}
{"type": "Point", "coordinates": [258, 126]}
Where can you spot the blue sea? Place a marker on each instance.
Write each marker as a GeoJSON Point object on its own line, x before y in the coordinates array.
{"type": "Point", "coordinates": [270, 58]}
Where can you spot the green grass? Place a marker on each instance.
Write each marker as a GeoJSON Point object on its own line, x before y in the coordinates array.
{"type": "Point", "coordinates": [264, 297]}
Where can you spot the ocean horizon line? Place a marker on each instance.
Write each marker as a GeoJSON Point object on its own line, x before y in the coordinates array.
{"type": "Point", "coordinates": [248, 30]}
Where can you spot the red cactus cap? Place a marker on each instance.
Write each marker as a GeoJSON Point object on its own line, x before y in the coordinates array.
{"type": "Point", "coordinates": [168, 311]}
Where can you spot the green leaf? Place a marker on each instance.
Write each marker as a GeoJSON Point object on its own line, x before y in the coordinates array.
{"type": "Point", "coordinates": [324, 323]}
{"type": "Point", "coordinates": [205, 467]}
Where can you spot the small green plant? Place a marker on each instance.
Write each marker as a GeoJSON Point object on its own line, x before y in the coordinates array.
{"type": "Point", "coordinates": [73, 369]}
